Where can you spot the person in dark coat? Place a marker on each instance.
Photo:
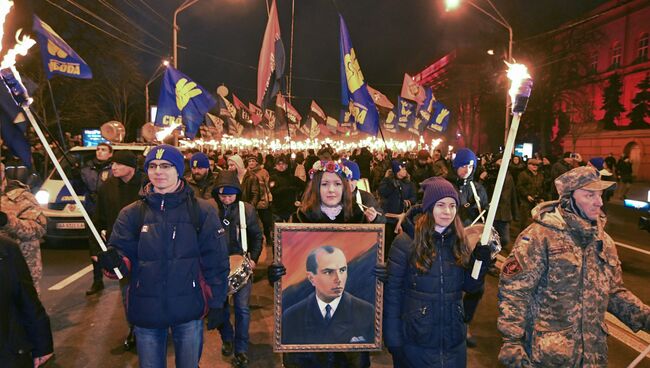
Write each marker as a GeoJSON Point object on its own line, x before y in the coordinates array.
{"type": "Point", "coordinates": [397, 194]}
{"type": "Point", "coordinates": [286, 189]}
{"type": "Point", "coordinates": [428, 271]}
{"type": "Point", "coordinates": [363, 160]}
{"type": "Point", "coordinates": [329, 315]}
{"type": "Point", "coordinates": [25, 333]}
{"type": "Point", "coordinates": [119, 191]}
{"type": "Point", "coordinates": [327, 199]}
{"type": "Point", "coordinates": [530, 189]}
{"type": "Point", "coordinates": [172, 247]}
{"type": "Point", "coordinates": [421, 169]}
{"type": "Point", "coordinates": [200, 178]}
{"type": "Point", "coordinates": [227, 194]}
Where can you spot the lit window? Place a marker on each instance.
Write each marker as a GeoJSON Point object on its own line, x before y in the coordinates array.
{"type": "Point", "coordinates": [642, 52]}
{"type": "Point", "coordinates": [616, 54]}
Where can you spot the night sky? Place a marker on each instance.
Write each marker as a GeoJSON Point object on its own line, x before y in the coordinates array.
{"type": "Point", "coordinates": [391, 37]}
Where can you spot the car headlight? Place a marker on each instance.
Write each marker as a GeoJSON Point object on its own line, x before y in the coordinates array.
{"type": "Point", "coordinates": [43, 197]}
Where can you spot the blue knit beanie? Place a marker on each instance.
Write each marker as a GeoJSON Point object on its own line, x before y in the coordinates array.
{"type": "Point", "coordinates": [597, 162]}
{"type": "Point", "coordinates": [199, 160]}
{"type": "Point", "coordinates": [356, 173]}
{"type": "Point", "coordinates": [167, 153]}
{"type": "Point", "coordinates": [463, 157]}
{"type": "Point", "coordinates": [435, 189]}
{"type": "Point", "coordinates": [397, 165]}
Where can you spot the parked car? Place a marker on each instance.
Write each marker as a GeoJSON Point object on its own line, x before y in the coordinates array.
{"type": "Point", "coordinates": [64, 220]}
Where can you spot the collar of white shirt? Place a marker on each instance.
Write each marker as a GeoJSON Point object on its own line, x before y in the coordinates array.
{"type": "Point", "coordinates": [334, 304]}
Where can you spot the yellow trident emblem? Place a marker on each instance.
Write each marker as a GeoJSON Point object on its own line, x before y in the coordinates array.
{"type": "Point", "coordinates": [353, 71]}
{"type": "Point", "coordinates": [184, 92]}
{"type": "Point", "coordinates": [160, 153]}
{"type": "Point", "coordinates": [55, 50]}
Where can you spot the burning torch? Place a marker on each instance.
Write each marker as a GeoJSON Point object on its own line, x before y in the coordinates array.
{"type": "Point", "coordinates": [12, 82]}
{"type": "Point", "coordinates": [520, 88]}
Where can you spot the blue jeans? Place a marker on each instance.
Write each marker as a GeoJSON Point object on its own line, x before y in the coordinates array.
{"type": "Point", "coordinates": [188, 341]}
{"type": "Point", "coordinates": [242, 319]}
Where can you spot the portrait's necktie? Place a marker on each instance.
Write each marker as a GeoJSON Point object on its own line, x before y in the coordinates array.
{"type": "Point", "coordinates": [328, 313]}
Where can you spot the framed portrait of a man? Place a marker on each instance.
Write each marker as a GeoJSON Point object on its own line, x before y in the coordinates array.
{"type": "Point", "coordinates": [329, 299]}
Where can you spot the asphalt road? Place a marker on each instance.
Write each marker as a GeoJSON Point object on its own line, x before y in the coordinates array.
{"type": "Point", "coordinates": [88, 331]}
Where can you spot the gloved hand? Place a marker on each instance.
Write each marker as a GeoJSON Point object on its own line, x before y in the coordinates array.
{"type": "Point", "coordinates": [111, 259]}
{"type": "Point", "coordinates": [275, 272]}
{"type": "Point", "coordinates": [3, 219]}
{"type": "Point", "coordinates": [380, 272]}
{"type": "Point", "coordinates": [513, 355]}
{"type": "Point", "coordinates": [482, 253]}
{"type": "Point", "coordinates": [215, 318]}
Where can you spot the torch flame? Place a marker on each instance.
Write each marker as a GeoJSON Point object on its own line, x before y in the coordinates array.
{"type": "Point", "coordinates": [517, 73]}
{"type": "Point", "coordinates": [435, 143]}
{"type": "Point", "coordinates": [22, 46]}
{"type": "Point", "coordinates": [161, 135]}
{"type": "Point", "coordinates": [5, 8]}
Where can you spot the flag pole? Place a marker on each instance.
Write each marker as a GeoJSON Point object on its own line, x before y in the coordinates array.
{"type": "Point", "coordinates": [293, 6]}
{"type": "Point", "coordinates": [56, 114]}
{"type": "Point", "coordinates": [382, 135]}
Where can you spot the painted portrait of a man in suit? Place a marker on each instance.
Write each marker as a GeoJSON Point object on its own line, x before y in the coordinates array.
{"type": "Point", "coordinates": [329, 314]}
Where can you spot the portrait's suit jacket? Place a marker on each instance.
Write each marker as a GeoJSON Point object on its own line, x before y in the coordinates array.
{"type": "Point", "coordinates": [353, 322]}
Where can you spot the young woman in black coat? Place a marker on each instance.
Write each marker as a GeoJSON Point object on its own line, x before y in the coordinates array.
{"type": "Point", "coordinates": [428, 271]}
{"type": "Point", "coordinates": [327, 199]}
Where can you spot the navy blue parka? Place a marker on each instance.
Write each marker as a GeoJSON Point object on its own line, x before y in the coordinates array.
{"type": "Point", "coordinates": [174, 267]}
{"type": "Point", "coordinates": [423, 312]}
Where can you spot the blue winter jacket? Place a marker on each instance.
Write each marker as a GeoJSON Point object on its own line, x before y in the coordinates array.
{"type": "Point", "coordinates": [423, 313]}
{"type": "Point", "coordinates": [171, 259]}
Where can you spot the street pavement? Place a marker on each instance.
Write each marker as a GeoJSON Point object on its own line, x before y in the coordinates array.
{"type": "Point", "coordinates": [89, 331]}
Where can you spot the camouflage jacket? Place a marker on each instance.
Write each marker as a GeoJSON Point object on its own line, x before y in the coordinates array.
{"type": "Point", "coordinates": [25, 219]}
{"type": "Point", "coordinates": [556, 285]}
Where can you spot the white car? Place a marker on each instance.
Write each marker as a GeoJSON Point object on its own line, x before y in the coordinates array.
{"type": "Point", "coordinates": [64, 221]}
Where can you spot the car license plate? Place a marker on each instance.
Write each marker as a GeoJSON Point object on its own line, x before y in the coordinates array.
{"type": "Point", "coordinates": [71, 225]}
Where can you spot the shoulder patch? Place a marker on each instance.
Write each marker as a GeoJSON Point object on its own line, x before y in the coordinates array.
{"type": "Point", "coordinates": [511, 267]}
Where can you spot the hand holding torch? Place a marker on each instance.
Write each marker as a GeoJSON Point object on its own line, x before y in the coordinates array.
{"type": "Point", "coordinates": [520, 89]}
{"type": "Point", "coordinates": [11, 79]}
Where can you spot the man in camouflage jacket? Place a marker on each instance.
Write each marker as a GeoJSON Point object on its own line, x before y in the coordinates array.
{"type": "Point", "coordinates": [22, 219]}
{"type": "Point", "coordinates": [560, 279]}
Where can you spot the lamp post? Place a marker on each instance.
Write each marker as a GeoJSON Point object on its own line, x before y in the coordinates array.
{"type": "Point", "coordinates": [155, 76]}
{"type": "Point", "coordinates": [186, 4]}
{"type": "Point", "coordinates": [497, 17]}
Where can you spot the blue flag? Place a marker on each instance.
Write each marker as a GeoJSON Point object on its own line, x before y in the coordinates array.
{"type": "Point", "coordinates": [58, 57]}
{"type": "Point", "coordinates": [354, 90]}
{"type": "Point", "coordinates": [13, 134]}
{"type": "Point", "coordinates": [439, 118]}
{"type": "Point", "coordinates": [424, 112]}
{"type": "Point", "coordinates": [405, 113]}
{"type": "Point", "coordinates": [182, 101]}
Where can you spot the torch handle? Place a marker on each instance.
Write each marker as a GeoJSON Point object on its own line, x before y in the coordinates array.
{"type": "Point", "coordinates": [498, 187]}
{"type": "Point", "coordinates": [74, 195]}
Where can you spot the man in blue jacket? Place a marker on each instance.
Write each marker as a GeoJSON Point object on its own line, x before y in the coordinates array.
{"type": "Point", "coordinates": [171, 245]}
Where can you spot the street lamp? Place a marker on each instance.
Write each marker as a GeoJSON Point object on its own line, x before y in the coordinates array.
{"type": "Point", "coordinates": [186, 4]}
{"type": "Point", "coordinates": [159, 71]}
{"type": "Point", "coordinates": [497, 17]}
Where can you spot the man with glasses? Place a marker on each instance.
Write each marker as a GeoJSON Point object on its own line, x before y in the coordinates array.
{"type": "Point", "coordinates": [171, 245]}
{"type": "Point", "coordinates": [530, 188]}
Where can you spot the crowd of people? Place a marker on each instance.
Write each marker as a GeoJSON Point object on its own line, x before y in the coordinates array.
{"type": "Point", "coordinates": [172, 223]}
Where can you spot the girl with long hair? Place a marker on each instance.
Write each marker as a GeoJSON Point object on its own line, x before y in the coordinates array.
{"type": "Point", "coordinates": [327, 199]}
{"type": "Point", "coordinates": [429, 268]}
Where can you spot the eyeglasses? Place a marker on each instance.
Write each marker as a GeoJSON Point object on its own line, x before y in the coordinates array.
{"type": "Point", "coordinates": [163, 166]}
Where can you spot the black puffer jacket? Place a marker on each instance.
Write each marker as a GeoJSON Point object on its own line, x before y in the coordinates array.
{"type": "Point", "coordinates": [24, 325]}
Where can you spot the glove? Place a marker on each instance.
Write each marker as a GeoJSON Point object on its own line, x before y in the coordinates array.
{"type": "Point", "coordinates": [381, 272]}
{"type": "Point", "coordinates": [111, 259]}
{"type": "Point", "coordinates": [513, 355]}
{"type": "Point", "coordinates": [275, 272]}
{"type": "Point", "coordinates": [215, 318]}
{"type": "Point", "coordinates": [3, 219]}
{"type": "Point", "coordinates": [482, 253]}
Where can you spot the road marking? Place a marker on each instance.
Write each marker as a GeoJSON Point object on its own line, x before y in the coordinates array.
{"type": "Point", "coordinates": [72, 278]}
{"type": "Point", "coordinates": [632, 248]}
